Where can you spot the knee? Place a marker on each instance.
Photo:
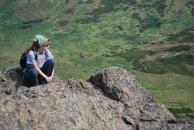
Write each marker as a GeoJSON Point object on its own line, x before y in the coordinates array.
{"type": "Point", "coordinates": [33, 73]}
{"type": "Point", "coordinates": [51, 62]}
{"type": "Point", "coordinates": [31, 77]}
{"type": "Point", "coordinates": [30, 74]}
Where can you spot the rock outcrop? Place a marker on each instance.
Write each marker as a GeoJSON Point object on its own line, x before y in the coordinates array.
{"type": "Point", "coordinates": [110, 100]}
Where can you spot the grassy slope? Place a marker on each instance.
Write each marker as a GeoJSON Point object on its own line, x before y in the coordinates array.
{"type": "Point", "coordinates": [175, 91]}
{"type": "Point", "coordinates": [90, 36]}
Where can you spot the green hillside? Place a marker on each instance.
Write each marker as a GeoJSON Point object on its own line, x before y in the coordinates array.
{"type": "Point", "coordinates": [151, 38]}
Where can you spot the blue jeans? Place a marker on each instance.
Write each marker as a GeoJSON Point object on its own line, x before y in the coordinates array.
{"type": "Point", "coordinates": [31, 76]}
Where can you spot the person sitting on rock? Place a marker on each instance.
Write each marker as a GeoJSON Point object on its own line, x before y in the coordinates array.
{"type": "Point", "coordinates": [39, 63]}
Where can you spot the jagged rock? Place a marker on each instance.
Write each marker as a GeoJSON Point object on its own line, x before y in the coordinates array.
{"type": "Point", "coordinates": [121, 85]}
{"type": "Point", "coordinates": [10, 80]}
{"type": "Point", "coordinates": [112, 100]}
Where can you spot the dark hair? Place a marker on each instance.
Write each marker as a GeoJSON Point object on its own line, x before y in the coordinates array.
{"type": "Point", "coordinates": [34, 47]}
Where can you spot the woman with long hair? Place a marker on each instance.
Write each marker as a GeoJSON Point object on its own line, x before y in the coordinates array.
{"type": "Point", "coordinates": [40, 62]}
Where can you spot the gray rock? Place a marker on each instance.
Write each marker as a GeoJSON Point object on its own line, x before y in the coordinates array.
{"type": "Point", "coordinates": [120, 85]}
{"type": "Point", "coordinates": [112, 100]}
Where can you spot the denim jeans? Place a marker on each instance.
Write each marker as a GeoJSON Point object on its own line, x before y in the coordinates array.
{"type": "Point", "coordinates": [31, 76]}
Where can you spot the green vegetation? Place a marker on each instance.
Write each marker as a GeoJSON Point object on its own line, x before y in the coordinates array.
{"type": "Point", "coordinates": [173, 90]}
{"type": "Point", "coordinates": [183, 36]}
{"type": "Point", "coordinates": [88, 35]}
{"type": "Point", "coordinates": [180, 48]}
{"type": "Point", "coordinates": [177, 64]}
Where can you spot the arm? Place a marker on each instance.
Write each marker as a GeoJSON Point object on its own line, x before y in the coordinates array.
{"type": "Point", "coordinates": [31, 60]}
{"type": "Point", "coordinates": [53, 73]}
{"type": "Point", "coordinates": [48, 79]}
{"type": "Point", "coordinates": [40, 71]}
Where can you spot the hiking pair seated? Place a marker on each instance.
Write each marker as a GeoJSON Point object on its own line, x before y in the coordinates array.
{"type": "Point", "coordinates": [38, 62]}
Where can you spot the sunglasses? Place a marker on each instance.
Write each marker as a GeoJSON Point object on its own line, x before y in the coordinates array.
{"type": "Point", "coordinates": [46, 45]}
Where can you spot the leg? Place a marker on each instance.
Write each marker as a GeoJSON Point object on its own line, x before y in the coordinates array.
{"type": "Point", "coordinates": [47, 69]}
{"type": "Point", "coordinates": [31, 77]}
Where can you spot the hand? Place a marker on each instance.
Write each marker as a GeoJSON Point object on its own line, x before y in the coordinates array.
{"type": "Point", "coordinates": [49, 79]}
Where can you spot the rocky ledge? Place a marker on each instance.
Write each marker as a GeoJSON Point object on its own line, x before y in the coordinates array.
{"type": "Point", "coordinates": [110, 100]}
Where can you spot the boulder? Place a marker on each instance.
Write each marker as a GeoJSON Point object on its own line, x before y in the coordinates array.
{"type": "Point", "coordinates": [110, 100]}
{"type": "Point", "coordinates": [120, 85]}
